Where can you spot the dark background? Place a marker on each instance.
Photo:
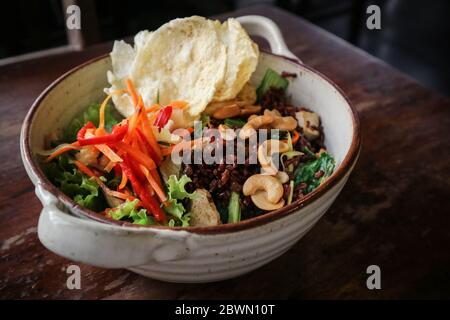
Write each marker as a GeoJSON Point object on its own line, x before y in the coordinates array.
{"type": "Point", "coordinates": [414, 36]}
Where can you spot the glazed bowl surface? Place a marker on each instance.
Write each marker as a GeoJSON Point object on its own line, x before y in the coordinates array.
{"type": "Point", "coordinates": [194, 254]}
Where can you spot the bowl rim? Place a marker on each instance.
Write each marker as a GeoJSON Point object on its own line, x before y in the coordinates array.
{"type": "Point", "coordinates": [345, 166]}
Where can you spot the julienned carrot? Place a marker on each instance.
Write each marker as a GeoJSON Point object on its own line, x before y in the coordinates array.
{"type": "Point", "coordinates": [83, 168]}
{"type": "Point", "coordinates": [295, 137]}
{"type": "Point", "coordinates": [154, 173]}
{"type": "Point", "coordinates": [154, 184]}
{"type": "Point", "coordinates": [148, 134]}
{"type": "Point", "coordinates": [137, 155]}
{"type": "Point", "coordinates": [153, 108]}
{"type": "Point", "coordinates": [179, 104]}
{"type": "Point", "coordinates": [123, 182]}
{"type": "Point", "coordinates": [110, 166]}
{"type": "Point", "coordinates": [107, 151]}
{"type": "Point", "coordinates": [101, 122]}
{"type": "Point", "coordinates": [120, 195]}
{"type": "Point", "coordinates": [134, 120]}
{"type": "Point", "coordinates": [73, 146]}
{"type": "Point", "coordinates": [132, 92]}
{"type": "Point", "coordinates": [146, 147]}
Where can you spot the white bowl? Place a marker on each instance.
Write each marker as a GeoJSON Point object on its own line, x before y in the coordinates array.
{"type": "Point", "coordinates": [196, 254]}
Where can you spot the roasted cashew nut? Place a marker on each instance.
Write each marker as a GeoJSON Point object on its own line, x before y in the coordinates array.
{"type": "Point", "coordinates": [266, 191]}
{"type": "Point", "coordinates": [265, 153]}
{"type": "Point", "coordinates": [279, 122]}
{"type": "Point", "coordinates": [271, 119]}
{"type": "Point", "coordinates": [282, 176]}
{"type": "Point", "coordinates": [260, 200]}
{"type": "Point", "coordinates": [228, 111]}
{"type": "Point", "coordinates": [234, 110]}
{"type": "Point", "coordinates": [252, 124]}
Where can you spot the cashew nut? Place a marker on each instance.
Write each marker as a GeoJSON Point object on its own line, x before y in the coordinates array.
{"type": "Point", "coordinates": [271, 119]}
{"type": "Point", "coordinates": [266, 151]}
{"type": "Point", "coordinates": [253, 123]}
{"type": "Point", "coordinates": [260, 200]}
{"type": "Point", "coordinates": [281, 123]}
{"type": "Point", "coordinates": [234, 110]}
{"type": "Point", "coordinates": [250, 109]}
{"type": "Point", "coordinates": [309, 121]}
{"type": "Point", "coordinates": [228, 111]}
{"type": "Point", "coordinates": [282, 176]}
{"type": "Point", "coordinates": [266, 191]}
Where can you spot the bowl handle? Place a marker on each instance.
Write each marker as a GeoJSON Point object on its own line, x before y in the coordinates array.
{"type": "Point", "coordinates": [102, 244]}
{"type": "Point", "coordinates": [266, 28]}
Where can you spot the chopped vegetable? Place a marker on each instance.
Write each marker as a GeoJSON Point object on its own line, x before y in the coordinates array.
{"type": "Point", "coordinates": [271, 80]}
{"type": "Point", "coordinates": [177, 192]}
{"type": "Point", "coordinates": [163, 117]}
{"type": "Point", "coordinates": [72, 182]}
{"type": "Point", "coordinates": [128, 209]}
{"type": "Point", "coordinates": [234, 123]}
{"type": "Point", "coordinates": [177, 187]}
{"type": "Point", "coordinates": [117, 134]}
{"type": "Point", "coordinates": [148, 201]}
{"type": "Point", "coordinates": [315, 172]}
{"type": "Point", "coordinates": [62, 149]}
{"type": "Point", "coordinates": [206, 120]}
{"type": "Point", "coordinates": [234, 208]}
{"type": "Point", "coordinates": [291, 192]}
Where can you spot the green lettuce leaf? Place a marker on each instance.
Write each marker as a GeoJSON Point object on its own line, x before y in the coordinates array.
{"type": "Point", "coordinates": [177, 187]}
{"type": "Point", "coordinates": [128, 210]}
{"type": "Point", "coordinates": [177, 192]}
{"type": "Point", "coordinates": [82, 189]}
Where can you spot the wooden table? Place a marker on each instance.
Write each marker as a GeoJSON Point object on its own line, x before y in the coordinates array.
{"type": "Point", "coordinates": [394, 212]}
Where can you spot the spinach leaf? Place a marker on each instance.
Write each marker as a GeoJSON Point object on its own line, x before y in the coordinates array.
{"type": "Point", "coordinates": [306, 173]}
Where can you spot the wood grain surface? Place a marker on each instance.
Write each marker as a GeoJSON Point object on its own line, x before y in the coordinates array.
{"type": "Point", "coordinates": [393, 212]}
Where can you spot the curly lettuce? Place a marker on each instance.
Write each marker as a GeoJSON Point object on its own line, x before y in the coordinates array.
{"type": "Point", "coordinates": [82, 189]}
{"type": "Point", "coordinates": [128, 211]}
{"type": "Point", "coordinates": [177, 193]}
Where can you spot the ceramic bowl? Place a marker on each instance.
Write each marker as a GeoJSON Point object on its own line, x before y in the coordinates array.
{"type": "Point", "coordinates": [196, 254]}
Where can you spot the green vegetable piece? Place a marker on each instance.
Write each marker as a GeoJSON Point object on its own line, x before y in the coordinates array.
{"type": "Point", "coordinates": [124, 210]}
{"type": "Point", "coordinates": [271, 80]}
{"type": "Point", "coordinates": [237, 123]}
{"type": "Point", "coordinates": [205, 119]}
{"type": "Point", "coordinates": [176, 193]}
{"type": "Point", "coordinates": [176, 187]}
{"type": "Point", "coordinates": [305, 173]}
{"type": "Point", "coordinates": [175, 208]}
{"type": "Point", "coordinates": [140, 217]}
{"type": "Point", "coordinates": [234, 208]}
{"type": "Point", "coordinates": [128, 210]}
{"type": "Point", "coordinates": [82, 189]}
